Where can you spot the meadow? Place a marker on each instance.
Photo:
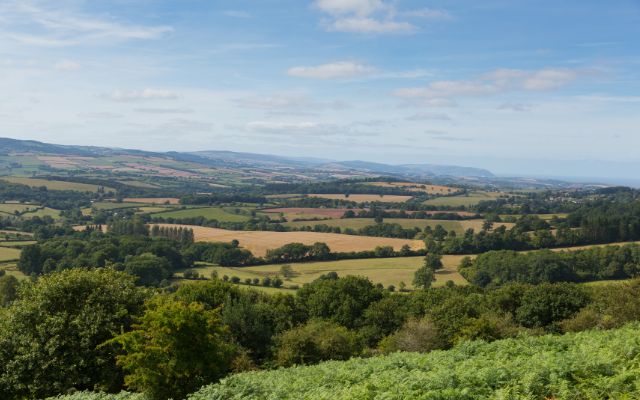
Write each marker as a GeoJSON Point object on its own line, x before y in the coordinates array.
{"type": "Point", "coordinates": [364, 198]}
{"type": "Point", "coordinates": [55, 185]}
{"type": "Point", "coordinates": [417, 187]}
{"type": "Point", "coordinates": [9, 254]}
{"type": "Point", "coordinates": [470, 199]}
{"type": "Point", "coordinates": [387, 271]}
{"type": "Point", "coordinates": [258, 242]}
{"type": "Point", "coordinates": [223, 214]}
{"type": "Point", "coordinates": [357, 223]}
{"type": "Point", "coordinates": [153, 200]}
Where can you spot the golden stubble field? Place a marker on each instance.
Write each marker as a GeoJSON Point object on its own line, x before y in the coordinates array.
{"type": "Point", "coordinates": [258, 242]}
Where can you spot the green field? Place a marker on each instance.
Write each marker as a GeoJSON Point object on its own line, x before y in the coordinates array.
{"type": "Point", "coordinates": [358, 223]}
{"type": "Point", "coordinates": [470, 199]}
{"type": "Point", "coordinates": [108, 205]}
{"type": "Point", "coordinates": [388, 271]}
{"type": "Point", "coordinates": [9, 254]}
{"type": "Point", "coordinates": [225, 214]}
{"type": "Point", "coordinates": [11, 208]}
{"type": "Point", "coordinates": [14, 243]}
{"type": "Point", "coordinates": [43, 212]}
{"type": "Point", "coordinates": [54, 185]}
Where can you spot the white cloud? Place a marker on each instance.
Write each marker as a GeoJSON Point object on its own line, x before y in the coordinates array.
{"type": "Point", "coordinates": [164, 110]}
{"type": "Point", "coordinates": [236, 14]}
{"type": "Point", "coordinates": [429, 14]}
{"type": "Point", "coordinates": [497, 81]}
{"type": "Point", "coordinates": [27, 23]}
{"type": "Point", "coordinates": [66, 65]}
{"type": "Point", "coordinates": [342, 69]}
{"type": "Point", "coordinates": [422, 116]}
{"type": "Point", "coordinates": [289, 104]}
{"type": "Point", "coordinates": [138, 95]}
{"type": "Point", "coordinates": [343, 7]}
{"type": "Point", "coordinates": [369, 25]}
{"type": "Point", "coordinates": [303, 128]}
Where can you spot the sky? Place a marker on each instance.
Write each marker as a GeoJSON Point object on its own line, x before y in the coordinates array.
{"type": "Point", "coordinates": [520, 87]}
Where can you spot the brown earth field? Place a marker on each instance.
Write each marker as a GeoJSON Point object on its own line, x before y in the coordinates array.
{"type": "Point", "coordinates": [258, 242]}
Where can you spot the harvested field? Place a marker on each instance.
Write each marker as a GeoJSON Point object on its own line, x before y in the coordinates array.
{"type": "Point", "coordinates": [364, 198]}
{"type": "Point", "coordinates": [258, 242]}
{"type": "Point", "coordinates": [153, 200]}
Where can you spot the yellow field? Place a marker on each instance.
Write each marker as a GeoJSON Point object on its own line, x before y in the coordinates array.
{"type": "Point", "coordinates": [363, 198]}
{"type": "Point", "coordinates": [258, 242]}
{"type": "Point", "coordinates": [388, 271]}
{"type": "Point", "coordinates": [55, 185]}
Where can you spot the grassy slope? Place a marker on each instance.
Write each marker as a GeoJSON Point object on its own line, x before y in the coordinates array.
{"type": "Point", "coordinates": [357, 223]}
{"type": "Point", "coordinates": [587, 365]}
{"type": "Point", "coordinates": [54, 185]}
{"type": "Point", "coordinates": [471, 199]}
{"type": "Point", "coordinates": [216, 213]}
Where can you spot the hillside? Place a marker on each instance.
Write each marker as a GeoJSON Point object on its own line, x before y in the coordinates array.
{"type": "Point", "coordinates": [587, 365]}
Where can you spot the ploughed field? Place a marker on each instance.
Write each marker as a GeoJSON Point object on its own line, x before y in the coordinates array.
{"type": "Point", "coordinates": [258, 242]}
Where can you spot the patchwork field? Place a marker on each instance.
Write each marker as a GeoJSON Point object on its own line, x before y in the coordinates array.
{"type": "Point", "coordinates": [364, 198]}
{"type": "Point", "coordinates": [470, 199]}
{"type": "Point", "coordinates": [55, 185]}
{"type": "Point", "coordinates": [217, 213]}
{"type": "Point", "coordinates": [11, 208]}
{"type": "Point", "coordinates": [388, 271]}
{"type": "Point", "coordinates": [258, 242]}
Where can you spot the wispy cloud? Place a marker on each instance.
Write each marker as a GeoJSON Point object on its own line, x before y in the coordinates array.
{"type": "Point", "coordinates": [66, 65]}
{"type": "Point", "coordinates": [497, 81]}
{"type": "Point", "coordinates": [289, 103]}
{"type": "Point", "coordinates": [341, 69]}
{"type": "Point", "coordinates": [140, 95]}
{"type": "Point", "coordinates": [30, 24]}
{"type": "Point", "coordinates": [372, 16]}
{"type": "Point", "coordinates": [236, 14]}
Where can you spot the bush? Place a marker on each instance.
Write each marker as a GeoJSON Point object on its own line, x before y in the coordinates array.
{"type": "Point", "coordinates": [314, 342]}
{"type": "Point", "coordinates": [419, 335]}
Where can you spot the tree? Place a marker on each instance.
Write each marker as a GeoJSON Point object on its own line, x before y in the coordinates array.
{"type": "Point", "coordinates": [286, 271]}
{"type": "Point", "coordinates": [149, 268]}
{"type": "Point", "coordinates": [314, 342]}
{"type": "Point", "coordinates": [424, 277]}
{"type": "Point", "coordinates": [174, 349]}
{"type": "Point", "coordinates": [8, 289]}
{"type": "Point", "coordinates": [433, 261]}
{"type": "Point", "coordinates": [49, 336]}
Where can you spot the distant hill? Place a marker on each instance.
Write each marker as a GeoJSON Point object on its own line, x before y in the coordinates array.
{"type": "Point", "coordinates": [239, 159]}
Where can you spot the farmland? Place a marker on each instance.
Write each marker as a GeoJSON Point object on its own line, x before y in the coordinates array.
{"type": "Point", "coordinates": [357, 223]}
{"type": "Point", "coordinates": [258, 242]}
{"type": "Point", "coordinates": [153, 200]}
{"type": "Point", "coordinates": [387, 271]}
{"type": "Point", "coordinates": [470, 199]}
{"type": "Point", "coordinates": [9, 254]}
{"type": "Point", "coordinates": [418, 187]}
{"type": "Point", "coordinates": [225, 214]}
{"type": "Point", "coordinates": [55, 185]}
{"type": "Point", "coordinates": [364, 198]}
{"type": "Point", "coordinates": [302, 212]}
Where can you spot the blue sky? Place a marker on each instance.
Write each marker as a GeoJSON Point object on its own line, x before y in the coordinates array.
{"type": "Point", "coordinates": [514, 86]}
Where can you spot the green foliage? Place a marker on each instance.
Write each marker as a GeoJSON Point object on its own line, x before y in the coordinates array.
{"type": "Point", "coordinates": [49, 336]}
{"type": "Point", "coordinates": [148, 268]}
{"type": "Point", "coordinates": [8, 289]}
{"type": "Point", "coordinates": [424, 277]}
{"type": "Point", "coordinates": [314, 342]}
{"type": "Point", "coordinates": [589, 365]}
{"type": "Point", "coordinates": [342, 300]}
{"type": "Point", "coordinates": [174, 349]}
{"type": "Point", "coordinates": [545, 304]}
